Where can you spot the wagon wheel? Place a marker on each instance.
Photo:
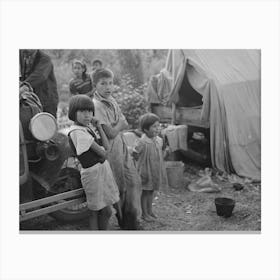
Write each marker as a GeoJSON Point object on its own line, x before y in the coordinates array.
{"type": "Point", "coordinates": [69, 179]}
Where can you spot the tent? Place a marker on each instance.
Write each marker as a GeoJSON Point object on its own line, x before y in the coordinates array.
{"type": "Point", "coordinates": [226, 83]}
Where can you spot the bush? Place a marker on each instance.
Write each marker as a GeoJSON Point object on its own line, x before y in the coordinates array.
{"type": "Point", "coordinates": [131, 100]}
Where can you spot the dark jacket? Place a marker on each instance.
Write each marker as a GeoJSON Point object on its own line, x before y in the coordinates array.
{"type": "Point", "coordinates": [41, 78]}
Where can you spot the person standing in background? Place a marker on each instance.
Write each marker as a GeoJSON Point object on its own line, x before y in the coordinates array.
{"type": "Point", "coordinates": [149, 156]}
{"type": "Point", "coordinates": [36, 68]}
{"type": "Point", "coordinates": [81, 82]}
{"type": "Point", "coordinates": [96, 64]}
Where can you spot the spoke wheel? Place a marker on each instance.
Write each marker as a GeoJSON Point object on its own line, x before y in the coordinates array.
{"type": "Point", "coordinates": [69, 179]}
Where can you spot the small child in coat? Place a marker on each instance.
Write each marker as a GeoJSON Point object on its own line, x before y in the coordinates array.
{"type": "Point", "coordinates": [150, 165]}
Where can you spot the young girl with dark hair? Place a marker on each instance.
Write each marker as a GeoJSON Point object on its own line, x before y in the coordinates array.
{"type": "Point", "coordinates": [149, 156]}
{"type": "Point", "coordinates": [91, 149]}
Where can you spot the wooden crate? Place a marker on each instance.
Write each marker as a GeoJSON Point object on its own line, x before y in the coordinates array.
{"type": "Point", "coordinates": [184, 115]}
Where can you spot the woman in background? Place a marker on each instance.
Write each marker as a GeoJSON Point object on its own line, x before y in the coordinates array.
{"type": "Point", "coordinates": [81, 82]}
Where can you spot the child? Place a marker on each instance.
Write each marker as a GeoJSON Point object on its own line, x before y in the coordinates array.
{"type": "Point", "coordinates": [81, 83]}
{"type": "Point", "coordinates": [96, 175]}
{"type": "Point", "coordinates": [113, 122]}
{"type": "Point", "coordinates": [150, 165]}
{"type": "Point", "coordinates": [96, 64]}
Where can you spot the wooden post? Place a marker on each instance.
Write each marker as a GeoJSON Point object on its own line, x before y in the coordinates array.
{"type": "Point", "coordinates": [173, 119]}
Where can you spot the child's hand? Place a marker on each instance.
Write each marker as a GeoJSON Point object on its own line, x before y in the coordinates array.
{"type": "Point", "coordinates": [166, 152]}
{"type": "Point", "coordinates": [95, 122]}
{"type": "Point", "coordinates": [135, 154]}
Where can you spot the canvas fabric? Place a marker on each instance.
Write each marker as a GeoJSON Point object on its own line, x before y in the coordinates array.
{"type": "Point", "coordinates": [229, 81]}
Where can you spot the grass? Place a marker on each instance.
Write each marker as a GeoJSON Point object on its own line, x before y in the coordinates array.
{"type": "Point", "coordinates": [179, 209]}
{"type": "Point", "coordinates": [182, 210]}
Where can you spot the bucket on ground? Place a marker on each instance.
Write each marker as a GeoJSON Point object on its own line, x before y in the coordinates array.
{"type": "Point", "coordinates": [175, 173]}
{"type": "Point", "coordinates": [224, 206]}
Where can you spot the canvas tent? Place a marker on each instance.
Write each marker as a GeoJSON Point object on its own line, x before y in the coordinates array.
{"type": "Point", "coordinates": [226, 83]}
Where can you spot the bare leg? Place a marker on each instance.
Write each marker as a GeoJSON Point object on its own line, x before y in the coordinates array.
{"type": "Point", "coordinates": [119, 214]}
{"type": "Point", "coordinates": [93, 220]}
{"type": "Point", "coordinates": [104, 217]}
{"type": "Point", "coordinates": [150, 204]}
{"type": "Point", "coordinates": [129, 212]}
{"type": "Point", "coordinates": [144, 205]}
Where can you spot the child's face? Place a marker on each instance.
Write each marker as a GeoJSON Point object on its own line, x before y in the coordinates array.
{"type": "Point", "coordinates": [153, 131]}
{"type": "Point", "coordinates": [96, 66]}
{"type": "Point", "coordinates": [105, 87]}
{"type": "Point", "coordinates": [78, 70]}
{"type": "Point", "coordinates": [84, 117]}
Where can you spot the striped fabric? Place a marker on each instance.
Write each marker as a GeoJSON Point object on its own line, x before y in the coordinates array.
{"type": "Point", "coordinates": [80, 86]}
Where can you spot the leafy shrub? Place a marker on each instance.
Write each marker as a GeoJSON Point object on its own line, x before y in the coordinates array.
{"type": "Point", "coordinates": [131, 100]}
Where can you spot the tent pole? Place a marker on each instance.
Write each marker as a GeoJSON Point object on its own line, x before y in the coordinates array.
{"type": "Point", "coordinates": [173, 120]}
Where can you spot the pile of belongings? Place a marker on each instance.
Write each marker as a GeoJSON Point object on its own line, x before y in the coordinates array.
{"type": "Point", "coordinates": [177, 136]}
{"type": "Point", "coordinates": [204, 183]}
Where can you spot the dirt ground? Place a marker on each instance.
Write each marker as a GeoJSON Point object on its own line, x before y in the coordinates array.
{"type": "Point", "coordinates": [179, 209]}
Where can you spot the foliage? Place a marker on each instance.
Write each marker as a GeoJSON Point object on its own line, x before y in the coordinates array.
{"type": "Point", "coordinates": [152, 62]}
{"type": "Point", "coordinates": [131, 63]}
{"type": "Point", "coordinates": [131, 99]}
{"type": "Point", "coordinates": [129, 89]}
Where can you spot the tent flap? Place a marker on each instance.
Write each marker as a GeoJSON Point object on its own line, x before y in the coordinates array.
{"type": "Point", "coordinates": [229, 82]}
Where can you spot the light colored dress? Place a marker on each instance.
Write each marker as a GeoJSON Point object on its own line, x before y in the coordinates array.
{"type": "Point", "coordinates": [150, 164]}
{"type": "Point", "coordinates": [108, 112]}
{"type": "Point", "coordinates": [98, 181]}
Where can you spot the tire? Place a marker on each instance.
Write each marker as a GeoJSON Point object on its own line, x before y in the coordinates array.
{"type": "Point", "coordinates": [70, 216]}
{"type": "Point", "coordinates": [69, 179]}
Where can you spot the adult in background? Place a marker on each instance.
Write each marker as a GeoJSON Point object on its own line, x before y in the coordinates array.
{"type": "Point", "coordinates": [36, 69]}
{"type": "Point", "coordinates": [81, 82]}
